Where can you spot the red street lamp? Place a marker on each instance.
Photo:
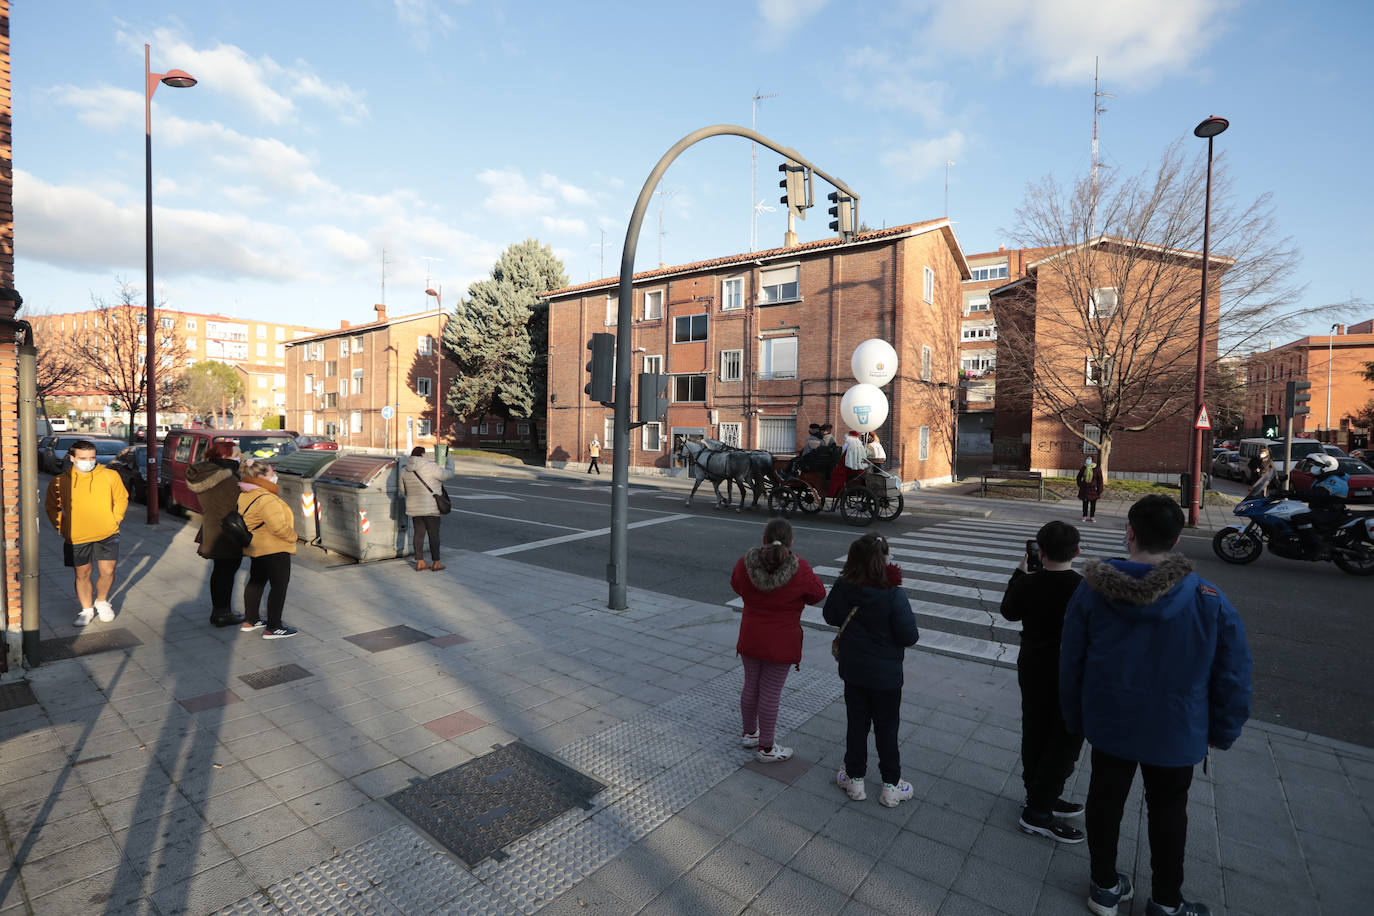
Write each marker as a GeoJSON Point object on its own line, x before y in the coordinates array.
{"type": "Point", "coordinates": [1209, 129]}
{"type": "Point", "coordinates": [438, 365]}
{"type": "Point", "coordinates": [177, 79]}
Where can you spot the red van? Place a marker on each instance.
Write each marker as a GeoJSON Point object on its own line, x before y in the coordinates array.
{"type": "Point", "coordinates": [184, 447]}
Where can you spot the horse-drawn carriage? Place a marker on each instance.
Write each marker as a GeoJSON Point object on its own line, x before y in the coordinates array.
{"type": "Point", "coordinates": [799, 486]}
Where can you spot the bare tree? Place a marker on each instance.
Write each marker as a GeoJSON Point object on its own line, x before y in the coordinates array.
{"type": "Point", "coordinates": [113, 348]}
{"type": "Point", "coordinates": [59, 367]}
{"type": "Point", "coordinates": [1104, 333]}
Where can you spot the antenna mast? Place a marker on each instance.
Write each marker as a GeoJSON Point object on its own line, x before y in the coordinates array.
{"type": "Point", "coordinates": [384, 263]}
{"type": "Point", "coordinates": [753, 173]}
{"type": "Point", "coordinates": [663, 194]}
{"type": "Point", "coordinates": [1098, 96]}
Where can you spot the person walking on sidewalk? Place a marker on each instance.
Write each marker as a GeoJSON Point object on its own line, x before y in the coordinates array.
{"type": "Point", "coordinates": [1153, 669]}
{"type": "Point", "coordinates": [269, 519]}
{"type": "Point", "coordinates": [215, 481]}
{"type": "Point", "coordinates": [1090, 488]}
{"type": "Point", "coordinates": [876, 627]}
{"type": "Point", "coordinates": [421, 480]}
{"type": "Point", "coordinates": [594, 451]}
{"type": "Point", "coordinates": [86, 505]}
{"type": "Point", "coordinates": [1038, 597]}
{"type": "Point", "coordinates": [775, 584]}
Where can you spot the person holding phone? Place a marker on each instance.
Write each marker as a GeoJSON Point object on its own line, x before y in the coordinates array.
{"type": "Point", "coordinates": [1038, 595]}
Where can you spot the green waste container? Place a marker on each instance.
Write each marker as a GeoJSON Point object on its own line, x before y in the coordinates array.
{"type": "Point", "coordinates": [441, 454]}
{"type": "Point", "coordinates": [296, 475]}
{"type": "Point", "coordinates": [361, 513]}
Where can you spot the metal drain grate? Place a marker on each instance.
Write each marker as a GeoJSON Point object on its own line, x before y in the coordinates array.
{"type": "Point", "coordinates": [388, 638]}
{"type": "Point", "coordinates": [271, 677]}
{"type": "Point", "coordinates": [60, 647]}
{"type": "Point", "coordinates": [13, 696]}
{"type": "Point", "coordinates": [476, 809]}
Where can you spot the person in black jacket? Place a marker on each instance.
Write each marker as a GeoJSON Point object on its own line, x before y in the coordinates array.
{"type": "Point", "coordinates": [1048, 751]}
{"type": "Point", "coordinates": [877, 626]}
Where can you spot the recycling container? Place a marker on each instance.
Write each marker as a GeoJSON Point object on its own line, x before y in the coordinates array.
{"type": "Point", "coordinates": [296, 475]}
{"type": "Point", "coordinates": [361, 512]}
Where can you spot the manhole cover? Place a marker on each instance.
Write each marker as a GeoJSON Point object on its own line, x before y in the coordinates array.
{"type": "Point", "coordinates": [60, 647]}
{"type": "Point", "coordinates": [389, 638]}
{"type": "Point", "coordinates": [13, 696]}
{"type": "Point", "coordinates": [271, 677]}
{"type": "Point", "coordinates": [476, 809]}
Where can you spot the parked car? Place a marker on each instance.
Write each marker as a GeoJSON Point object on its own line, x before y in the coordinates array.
{"type": "Point", "coordinates": [316, 442]}
{"type": "Point", "coordinates": [1361, 477]}
{"type": "Point", "coordinates": [1335, 451]}
{"type": "Point", "coordinates": [50, 455]}
{"type": "Point", "coordinates": [1226, 464]}
{"type": "Point", "coordinates": [184, 447]}
{"type": "Point", "coordinates": [141, 432]}
{"type": "Point", "coordinates": [58, 424]}
{"type": "Point", "coordinates": [132, 466]}
{"type": "Point", "coordinates": [1363, 454]}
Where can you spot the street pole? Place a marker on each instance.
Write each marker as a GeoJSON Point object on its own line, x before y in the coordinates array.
{"type": "Point", "coordinates": [1209, 129]}
{"type": "Point", "coordinates": [1330, 340]}
{"type": "Point", "coordinates": [616, 570]}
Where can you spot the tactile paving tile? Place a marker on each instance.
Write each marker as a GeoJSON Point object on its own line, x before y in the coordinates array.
{"type": "Point", "coordinates": [388, 638]}
{"type": "Point", "coordinates": [60, 647]}
{"type": "Point", "coordinates": [610, 764]}
{"type": "Point", "coordinates": [271, 677]}
{"type": "Point", "coordinates": [535, 879]}
{"type": "Point", "coordinates": [256, 905]}
{"type": "Point", "coordinates": [16, 695]}
{"type": "Point", "coordinates": [636, 815]}
{"type": "Point", "coordinates": [477, 808]}
{"type": "Point", "coordinates": [478, 901]}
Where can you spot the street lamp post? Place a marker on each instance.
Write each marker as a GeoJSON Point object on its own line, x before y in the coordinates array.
{"type": "Point", "coordinates": [438, 430]}
{"type": "Point", "coordinates": [1209, 129]}
{"type": "Point", "coordinates": [1330, 340]}
{"type": "Point", "coordinates": [177, 79]}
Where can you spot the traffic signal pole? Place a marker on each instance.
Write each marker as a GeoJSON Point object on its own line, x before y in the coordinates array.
{"type": "Point", "coordinates": [617, 568]}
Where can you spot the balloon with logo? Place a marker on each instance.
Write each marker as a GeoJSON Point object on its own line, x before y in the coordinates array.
{"type": "Point", "coordinates": [864, 407]}
{"type": "Point", "coordinates": [874, 362]}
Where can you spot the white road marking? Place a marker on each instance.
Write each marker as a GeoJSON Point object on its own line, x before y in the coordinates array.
{"type": "Point", "coordinates": [580, 536]}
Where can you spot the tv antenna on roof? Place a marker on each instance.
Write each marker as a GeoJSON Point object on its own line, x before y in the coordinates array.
{"type": "Point", "coordinates": [1098, 96]}
{"type": "Point", "coordinates": [754, 171]}
{"type": "Point", "coordinates": [428, 261]}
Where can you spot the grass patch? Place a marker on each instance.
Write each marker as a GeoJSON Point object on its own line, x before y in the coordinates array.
{"type": "Point", "coordinates": [1066, 488]}
{"type": "Point", "coordinates": [485, 455]}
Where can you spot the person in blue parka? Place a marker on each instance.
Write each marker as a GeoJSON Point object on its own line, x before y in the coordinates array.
{"type": "Point", "coordinates": [1153, 669]}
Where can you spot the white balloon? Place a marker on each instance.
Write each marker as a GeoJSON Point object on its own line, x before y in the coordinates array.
{"type": "Point", "coordinates": [864, 407]}
{"type": "Point", "coordinates": [874, 361]}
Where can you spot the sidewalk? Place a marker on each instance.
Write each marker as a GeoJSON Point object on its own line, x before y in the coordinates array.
{"type": "Point", "coordinates": [159, 779]}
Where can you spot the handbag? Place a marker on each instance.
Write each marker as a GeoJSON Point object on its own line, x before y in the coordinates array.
{"type": "Point", "coordinates": [440, 499]}
{"type": "Point", "coordinates": [835, 643]}
{"type": "Point", "coordinates": [236, 529]}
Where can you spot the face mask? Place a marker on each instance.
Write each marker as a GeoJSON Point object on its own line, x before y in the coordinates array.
{"type": "Point", "coordinates": [85, 465]}
{"type": "Point", "coordinates": [271, 478]}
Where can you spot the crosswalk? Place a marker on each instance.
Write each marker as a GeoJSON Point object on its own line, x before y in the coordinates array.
{"type": "Point", "coordinates": [955, 573]}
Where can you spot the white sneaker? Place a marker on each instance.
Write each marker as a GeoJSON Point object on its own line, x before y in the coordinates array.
{"type": "Point", "coordinates": [775, 754]}
{"type": "Point", "coordinates": [749, 740]}
{"type": "Point", "coordinates": [85, 617]}
{"type": "Point", "coordinates": [892, 796]}
{"type": "Point", "coordinates": [854, 788]}
{"type": "Point", "coordinates": [104, 610]}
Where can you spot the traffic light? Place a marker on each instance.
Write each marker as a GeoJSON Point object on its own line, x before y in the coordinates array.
{"type": "Point", "coordinates": [1296, 396]}
{"type": "Point", "coordinates": [653, 397]}
{"type": "Point", "coordinates": [601, 368]}
{"type": "Point", "coordinates": [843, 211]}
{"type": "Point", "coordinates": [1270, 424]}
{"type": "Point", "coordinates": [795, 185]}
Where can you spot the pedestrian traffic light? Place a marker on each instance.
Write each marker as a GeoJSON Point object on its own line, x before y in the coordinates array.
{"type": "Point", "coordinates": [795, 185]}
{"type": "Point", "coordinates": [1296, 396]}
{"type": "Point", "coordinates": [843, 211]}
{"type": "Point", "coordinates": [653, 397]}
{"type": "Point", "coordinates": [601, 368]}
{"type": "Point", "coordinates": [1270, 426]}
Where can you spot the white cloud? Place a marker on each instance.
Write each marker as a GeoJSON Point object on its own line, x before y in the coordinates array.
{"type": "Point", "coordinates": [564, 225]}
{"type": "Point", "coordinates": [509, 194]}
{"type": "Point", "coordinates": [570, 193]}
{"type": "Point", "coordinates": [786, 15]}
{"type": "Point", "coordinates": [344, 245]}
{"type": "Point", "coordinates": [423, 17]}
{"type": "Point", "coordinates": [887, 81]}
{"type": "Point", "coordinates": [920, 158]}
{"type": "Point", "coordinates": [104, 108]}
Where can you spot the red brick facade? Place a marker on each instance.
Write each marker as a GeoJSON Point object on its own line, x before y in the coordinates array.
{"type": "Point", "coordinates": [1341, 357]}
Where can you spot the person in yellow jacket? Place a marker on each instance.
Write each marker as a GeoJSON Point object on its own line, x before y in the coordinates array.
{"type": "Point", "coordinates": [269, 518]}
{"type": "Point", "coordinates": [85, 504]}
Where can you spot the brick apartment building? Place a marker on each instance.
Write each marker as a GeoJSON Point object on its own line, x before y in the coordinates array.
{"type": "Point", "coordinates": [1341, 357]}
{"type": "Point", "coordinates": [264, 395]}
{"type": "Point", "coordinates": [337, 382]}
{"type": "Point", "coordinates": [758, 345]}
{"type": "Point", "coordinates": [1044, 315]}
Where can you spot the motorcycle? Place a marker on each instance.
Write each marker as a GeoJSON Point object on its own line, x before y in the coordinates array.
{"type": "Point", "coordinates": [1271, 520]}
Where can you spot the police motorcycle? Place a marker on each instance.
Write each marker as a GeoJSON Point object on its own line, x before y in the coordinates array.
{"type": "Point", "coordinates": [1271, 519]}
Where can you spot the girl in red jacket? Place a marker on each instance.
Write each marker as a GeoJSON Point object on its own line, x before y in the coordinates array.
{"type": "Point", "coordinates": [775, 584]}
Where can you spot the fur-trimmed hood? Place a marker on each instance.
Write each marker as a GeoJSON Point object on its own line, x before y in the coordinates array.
{"type": "Point", "coordinates": [206, 475]}
{"type": "Point", "coordinates": [763, 580]}
{"type": "Point", "coordinates": [1127, 584]}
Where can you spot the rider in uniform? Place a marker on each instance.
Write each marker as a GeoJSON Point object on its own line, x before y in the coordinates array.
{"type": "Point", "coordinates": [1326, 503]}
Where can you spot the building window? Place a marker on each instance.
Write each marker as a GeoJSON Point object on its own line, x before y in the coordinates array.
{"type": "Point", "coordinates": [1102, 303]}
{"type": "Point", "coordinates": [262, 350]}
{"type": "Point", "coordinates": [689, 389]}
{"type": "Point", "coordinates": [281, 351]}
{"type": "Point", "coordinates": [653, 364]}
{"type": "Point", "coordinates": [689, 328]}
{"type": "Point", "coordinates": [424, 345]}
{"type": "Point", "coordinates": [331, 428]}
{"type": "Point", "coordinates": [996, 272]}
{"type": "Point", "coordinates": [985, 332]}
{"type": "Point", "coordinates": [782, 284]}
{"type": "Point", "coordinates": [262, 381]}
{"type": "Point", "coordinates": [778, 435]}
{"type": "Point", "coordinates": [927, 284]}
{"type": "Point", "coordinates": [653, 305]}
{"type": "Point", "coordinates": [355, 421]}
{"type": "Point", "coordinates": [1097, 372]}
{"type": "Point", "coordinates": [612, 310]}
{"type": "Point", "coordinates": [730, 433]}
{"type": "Point", "coordinates": [978, 363]}
{"type": "Point", "coordinates": [279, 333]}
{"type": "Point", "coordinates": [343, 348]}
{"type": "Point", "coordinates": [977, 304]}
{"type": "Point", "coordinates": [343, 386]}
{"type": "Point", "coordinates": [925, 364]}
{"type": "Point", "coordinates": [331, 399]}
{"type": "Point", "coordinates": [651, 437]}
{"type": "Point", "coordinates": [1094, 437]}
{"type": "Point", "coordinates": [732, 294]}
{"type": "Point", "coordinates": [166, 323]}
{"type": "Point", "coordinates": [422, 427]}
{"type": "Point", "coordinates": [482, 429]}
{"type": "Point", "coordinates": [731, 365]}
{"type": "Point", "coordinates": [191, 324]}
{"type": "Point", "coordinates": [309, 382]}
{"type": "Point", "coordinates": [262, 332]}
{"type": "Point", "coordinates": [522, 429]}
{"type": "Point", "coordinates": [331, 369]}
{"type": "Point", "coordinates": [607, 440]}
{"type": "Point", "coordinates": [357, 381]}
{"type": "Point", "coordinates": [778, 357]}
{"type": "Point", "coordinates": [924, 451]}
{"type": "Point", "coordinates": [357, 345]}
{"type": "Point", "coordinates": [279, 380]}
{"type": "Point", "coordinates": [422, 387]}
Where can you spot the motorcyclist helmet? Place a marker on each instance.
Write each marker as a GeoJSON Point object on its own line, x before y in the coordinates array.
{"type": "Point", "coordinates": [1324, 464]}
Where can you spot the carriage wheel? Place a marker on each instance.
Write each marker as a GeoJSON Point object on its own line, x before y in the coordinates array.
{"type": "Point", "coordinates": [781, 500]}
{"type": "Point", "coordinates": [858, 506]}
{"type": "Point", "coordinates": [889, 507]}
{"type": "Point", "coordinates": [806, 498]}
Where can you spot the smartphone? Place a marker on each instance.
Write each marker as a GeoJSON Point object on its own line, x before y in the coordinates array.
{"type": "Point", "coordinates": [1033, 563]}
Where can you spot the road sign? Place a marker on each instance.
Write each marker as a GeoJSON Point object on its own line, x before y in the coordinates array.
{"type": "Point", "coordinates": [388, 412]}
{"type": "Point", "coordinates": [1203, 421]}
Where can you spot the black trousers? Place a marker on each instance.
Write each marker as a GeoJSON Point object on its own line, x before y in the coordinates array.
{"type": "Point", "coordinates": [1090, 508]}
{"type": "Point", "coordinates": [594, 466]}
{"type": "Point", "coordinates": [274, 569]}
{"type": "Point", "coordinates": [1166, 803]}
{"type": "Point", "coordinates": [222, 574]}
{"type": "Point", "coordinates": [426, 525]}
{"type": "Point", "coordinates": [1048, 750]}
{"type": "Point", "coordinates": [867, 708]}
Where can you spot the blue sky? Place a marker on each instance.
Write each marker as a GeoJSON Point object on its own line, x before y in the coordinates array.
{"type": "Point", "coordinates": [322, 133]}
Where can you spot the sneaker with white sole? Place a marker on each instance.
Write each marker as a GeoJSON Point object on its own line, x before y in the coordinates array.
{"type": "Point", "coordinates": [279, 632]}
{"type": "Point", "coordinates": [1183, 909]}
{"type": "Point", "coordinates": [104, 610]}
{"type": "Point", "coordinates": [1040, 824]}
{"type": "Point", "coordinates": [775, 754]}
{"type": "Point", "coordinates": [85, 617]}
{"type": "Point", "coordinates": [1103, 900]}
{"type": "Point", "coordinates": [854, 788]}
{"type": "Point", "coordinates": [894, 794]}
{"type": "Point", "coordinates": [1062, 808]}
{"type": "Point", "coordinates": [749, 740]}
{"type": "Point", "coordinates": [248, 627]}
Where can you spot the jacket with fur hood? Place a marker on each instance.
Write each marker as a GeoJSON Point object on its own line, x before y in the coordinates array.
{"type": "Point", "coordinates": [1154, 665]}
{"type": "Point", "coordinates": [216, 485]}
{"type": "Point", "coordinates": [770, 626]}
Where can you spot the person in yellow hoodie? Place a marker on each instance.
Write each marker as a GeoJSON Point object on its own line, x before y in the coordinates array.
{"type": "Point", "coordinates": [269, 518]}
{"type": "Point", "coordinates": [86, 504]}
